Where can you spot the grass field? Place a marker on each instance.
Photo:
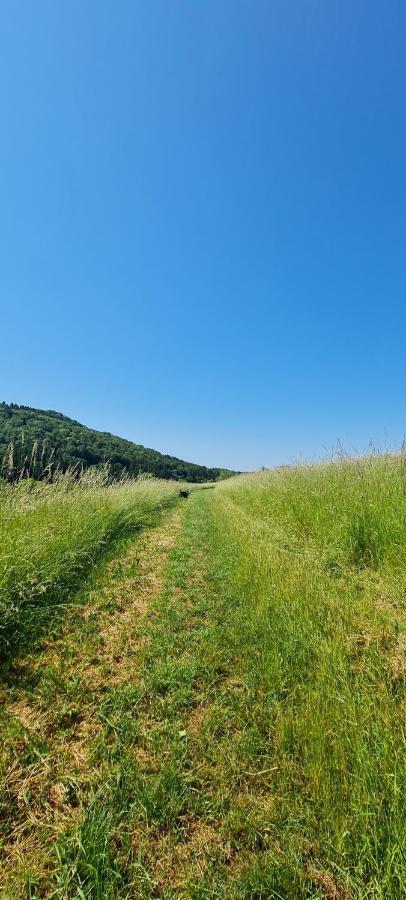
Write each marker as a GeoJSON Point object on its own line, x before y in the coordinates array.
{"type": "Point", "coordinates": [51, 534]}
{"type": "Point", "coordinates": [217, 708]}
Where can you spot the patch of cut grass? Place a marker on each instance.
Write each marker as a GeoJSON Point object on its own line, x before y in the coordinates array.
{"type": "Point", "coordinates": [59, 723]}
{"type": "Point", "coordinates": [268, 730]}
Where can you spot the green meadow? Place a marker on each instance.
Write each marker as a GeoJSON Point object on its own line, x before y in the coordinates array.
{"type": "Point", "coordinates": [205, 698]}
{"type": "Point", "coordinates": [52, 534]}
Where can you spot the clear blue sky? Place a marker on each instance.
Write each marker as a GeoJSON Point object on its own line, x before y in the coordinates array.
{"type": "Point", "coordinates": [203, 221]}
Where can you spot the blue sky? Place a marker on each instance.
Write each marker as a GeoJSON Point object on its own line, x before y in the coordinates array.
{"type": "Point", "coordinates": [203, 221]}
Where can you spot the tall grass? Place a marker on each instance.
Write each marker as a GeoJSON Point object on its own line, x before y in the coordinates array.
{"type": "Point", "coordinates": [50, 534]}
{"type": "Point", "coordinates": [316, 564]}
{"type": "Point", "coordinates": [354, 510]}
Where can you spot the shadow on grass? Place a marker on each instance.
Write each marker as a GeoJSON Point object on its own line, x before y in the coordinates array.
{"type": "Point", "coordinates": [43, 615]}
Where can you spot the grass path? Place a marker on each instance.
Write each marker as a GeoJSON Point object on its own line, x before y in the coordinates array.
{"type": "Point", "coordinates": [53, 709]}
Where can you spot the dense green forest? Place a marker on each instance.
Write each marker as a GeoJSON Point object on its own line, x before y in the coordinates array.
{"type": "Point", "coordinates": [40, 442]}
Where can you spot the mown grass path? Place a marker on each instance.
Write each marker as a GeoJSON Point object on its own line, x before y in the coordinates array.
{"type": "Point", "coordinates": [53, 711]}
{"type": "Point", "coordinates": [223, 717]}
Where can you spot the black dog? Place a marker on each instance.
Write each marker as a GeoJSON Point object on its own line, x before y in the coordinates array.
{"type": "Point", "coordinates": [184, 494]}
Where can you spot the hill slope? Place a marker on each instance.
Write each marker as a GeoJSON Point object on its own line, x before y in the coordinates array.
{"type": "Point", "coordinates": [72, 443]}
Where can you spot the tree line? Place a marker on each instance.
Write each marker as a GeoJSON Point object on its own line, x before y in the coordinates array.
{"type": "Point", "coordinates": [39, 443]}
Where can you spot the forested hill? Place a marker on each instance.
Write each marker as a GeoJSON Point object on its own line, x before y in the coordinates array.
{"type": "Point", "coordinates": [28, 438]}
